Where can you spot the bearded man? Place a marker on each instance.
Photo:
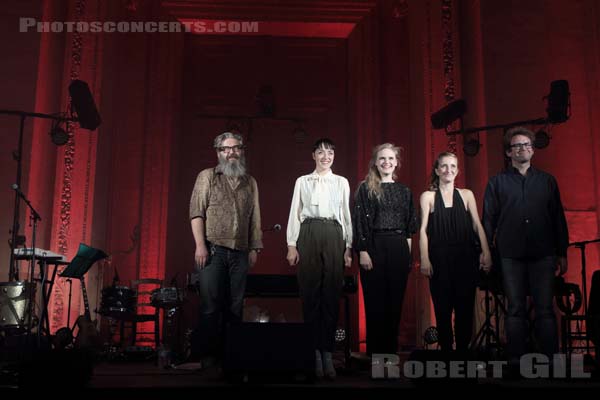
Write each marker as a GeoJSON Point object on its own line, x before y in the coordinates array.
{"type": "Point", "coordinates": [225, 218]}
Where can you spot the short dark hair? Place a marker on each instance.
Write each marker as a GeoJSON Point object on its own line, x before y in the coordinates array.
{"type": "Point", "coordinates": [517, 130]}
{"type": "Point", "coordinates": [325, 143]}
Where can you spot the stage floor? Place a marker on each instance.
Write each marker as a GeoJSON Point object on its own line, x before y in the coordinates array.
{"type": "Point", "coordinates": [145, 379]}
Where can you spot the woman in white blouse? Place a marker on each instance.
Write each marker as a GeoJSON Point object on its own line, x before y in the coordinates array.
{"type": "Point", "coordinates": [319, 238]}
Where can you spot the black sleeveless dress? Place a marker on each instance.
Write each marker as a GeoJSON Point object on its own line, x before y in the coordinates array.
{"type": "Point", "coordinates": [454, 259]}
{"type": "Point", "coordinates": [450, 226]}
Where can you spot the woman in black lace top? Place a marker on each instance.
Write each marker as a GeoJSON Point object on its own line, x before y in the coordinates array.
{"type": "Point", "coordinates": [384, 219]}
{"type": "Point", "coordinates": [450, 229]}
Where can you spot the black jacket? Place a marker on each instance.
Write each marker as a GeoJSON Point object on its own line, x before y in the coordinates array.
{"type": "Point", "coordinates": [524, 215]}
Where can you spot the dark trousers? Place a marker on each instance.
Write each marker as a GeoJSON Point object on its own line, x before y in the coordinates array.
{"type": "Point", "coordinates": [383, 291]}
{"type": "Point", "coordinates": [453, 286]}
{"type": "Point", "coordinates": [320, 278]}
{"type": "Point", "coordinates": [222, 283]}
{"type": "Point", "coordinates": [520, 278]}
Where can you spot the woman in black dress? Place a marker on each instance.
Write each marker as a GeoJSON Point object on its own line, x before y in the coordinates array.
{"type": "Point", "coordinates": [384, 220]}
{"type": "Point", "coordinates": [449, 241]}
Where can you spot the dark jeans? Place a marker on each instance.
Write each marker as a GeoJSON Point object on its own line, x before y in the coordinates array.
{"type": "Point", "coordinates": [535, 277]}
{"type": "Point", "coordinates": [222, 284]}
{"type": "Point", "coordinates": [453, 286]}
{"type": "Point", "coordinates": [383, 291]}
{"type": "Point", "coordinates": [320, 278]}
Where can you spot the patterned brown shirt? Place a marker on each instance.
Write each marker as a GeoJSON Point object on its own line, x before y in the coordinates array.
{"type": "Point", "coordinates": [231, 215]}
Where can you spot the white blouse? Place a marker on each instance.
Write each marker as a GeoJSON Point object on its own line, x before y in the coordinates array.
{"type": "Point", "coordinates": [317, 196]}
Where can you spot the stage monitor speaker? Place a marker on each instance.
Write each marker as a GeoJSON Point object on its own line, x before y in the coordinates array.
{"type": "Point", "coordinates": [84, 105]}
{"type": "Point", "coordinates": [269, 351]}
{"type": "Point", "coordinates": [54, 369]}
{"type": "Point", "coordinates": [271, 285]}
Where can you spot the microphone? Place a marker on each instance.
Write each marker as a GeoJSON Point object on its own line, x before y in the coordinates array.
{"type": "Point", "coordinates": [274, 228]}
{"type": "Point", "coordinates": [17, 189]}
{"type": "Point", "coordinates": [34, 213]}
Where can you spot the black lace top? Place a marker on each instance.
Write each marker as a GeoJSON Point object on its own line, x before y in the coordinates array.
{"type": "Point", "coordinates": [395, 211]}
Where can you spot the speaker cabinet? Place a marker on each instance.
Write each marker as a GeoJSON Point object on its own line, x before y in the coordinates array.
{"type": "Point", "coordinates": [269, 351]}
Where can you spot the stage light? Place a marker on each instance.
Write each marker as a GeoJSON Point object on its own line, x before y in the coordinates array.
{"type": "Point", "coordinates": [262, 316]}
{"type": "Point", "coordinates": [84, 105]}
{"type": "Point", "coordinates": [59, 136]}
{"type": "Point", "coordinates": [559, 104]}
{"type": "Point", "coordinates": [447, 115]}
{"type": "Point", "coordinates": [471, 147]}
{"type": "Point", "coordinates": [542, 139]}
{"type": "Point", "coordinates": [431, 335]}
{"type": "Point", "coordinates": [340, 334]}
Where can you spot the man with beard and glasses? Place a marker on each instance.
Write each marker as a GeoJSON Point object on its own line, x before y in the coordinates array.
{"type": "Point", "coordinates": [524, 217]}
{"type": "Point", "coordinates": [225, 218]}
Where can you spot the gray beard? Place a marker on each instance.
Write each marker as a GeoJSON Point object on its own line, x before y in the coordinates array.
{"type": "Point", "coordinates": [233, 169]}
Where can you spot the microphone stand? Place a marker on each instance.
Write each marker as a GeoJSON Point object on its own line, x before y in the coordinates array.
{"type": "Point", "coordinates": [581, 246]}
{"type": "Point", "coordinates": [70, 282]}
{"type": "Point", "coordinates": [13, 273]}
{"type": "Point", "coordinates": [34, 218]}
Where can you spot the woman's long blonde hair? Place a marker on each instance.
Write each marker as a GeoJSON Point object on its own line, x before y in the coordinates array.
{"type": "Point", "coordinates": [373, 179]}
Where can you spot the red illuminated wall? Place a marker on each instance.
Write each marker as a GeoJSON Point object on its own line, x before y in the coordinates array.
{"type": "Point", "coordinates": [561, 43]}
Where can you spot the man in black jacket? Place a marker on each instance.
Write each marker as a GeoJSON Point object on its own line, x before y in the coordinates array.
{"type": "Point", "coordinates": [523, 214]}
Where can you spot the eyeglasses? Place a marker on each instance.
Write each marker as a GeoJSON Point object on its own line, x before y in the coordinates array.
{"type": "Point", "coordinates": [227, 149]}
{"type": "Point", "coordinates": [520, 146]}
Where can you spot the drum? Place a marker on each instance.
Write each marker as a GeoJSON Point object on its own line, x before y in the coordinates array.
{"type": "Point", "coordinates": [167, 297]}
{"type": "Point", "coordinates": [14, 304]}
{"type": "Point", "coordinates": [117, 300]}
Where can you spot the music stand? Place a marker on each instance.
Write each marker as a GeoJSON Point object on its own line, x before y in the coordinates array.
{"type": "Point", "coordinates": [82, 262]}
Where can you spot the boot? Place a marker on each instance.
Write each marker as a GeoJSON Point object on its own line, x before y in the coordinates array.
{"type": "Point", "coordinates": [318, 364]}
{"type": "Point", "coordinates": [328, 368]}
